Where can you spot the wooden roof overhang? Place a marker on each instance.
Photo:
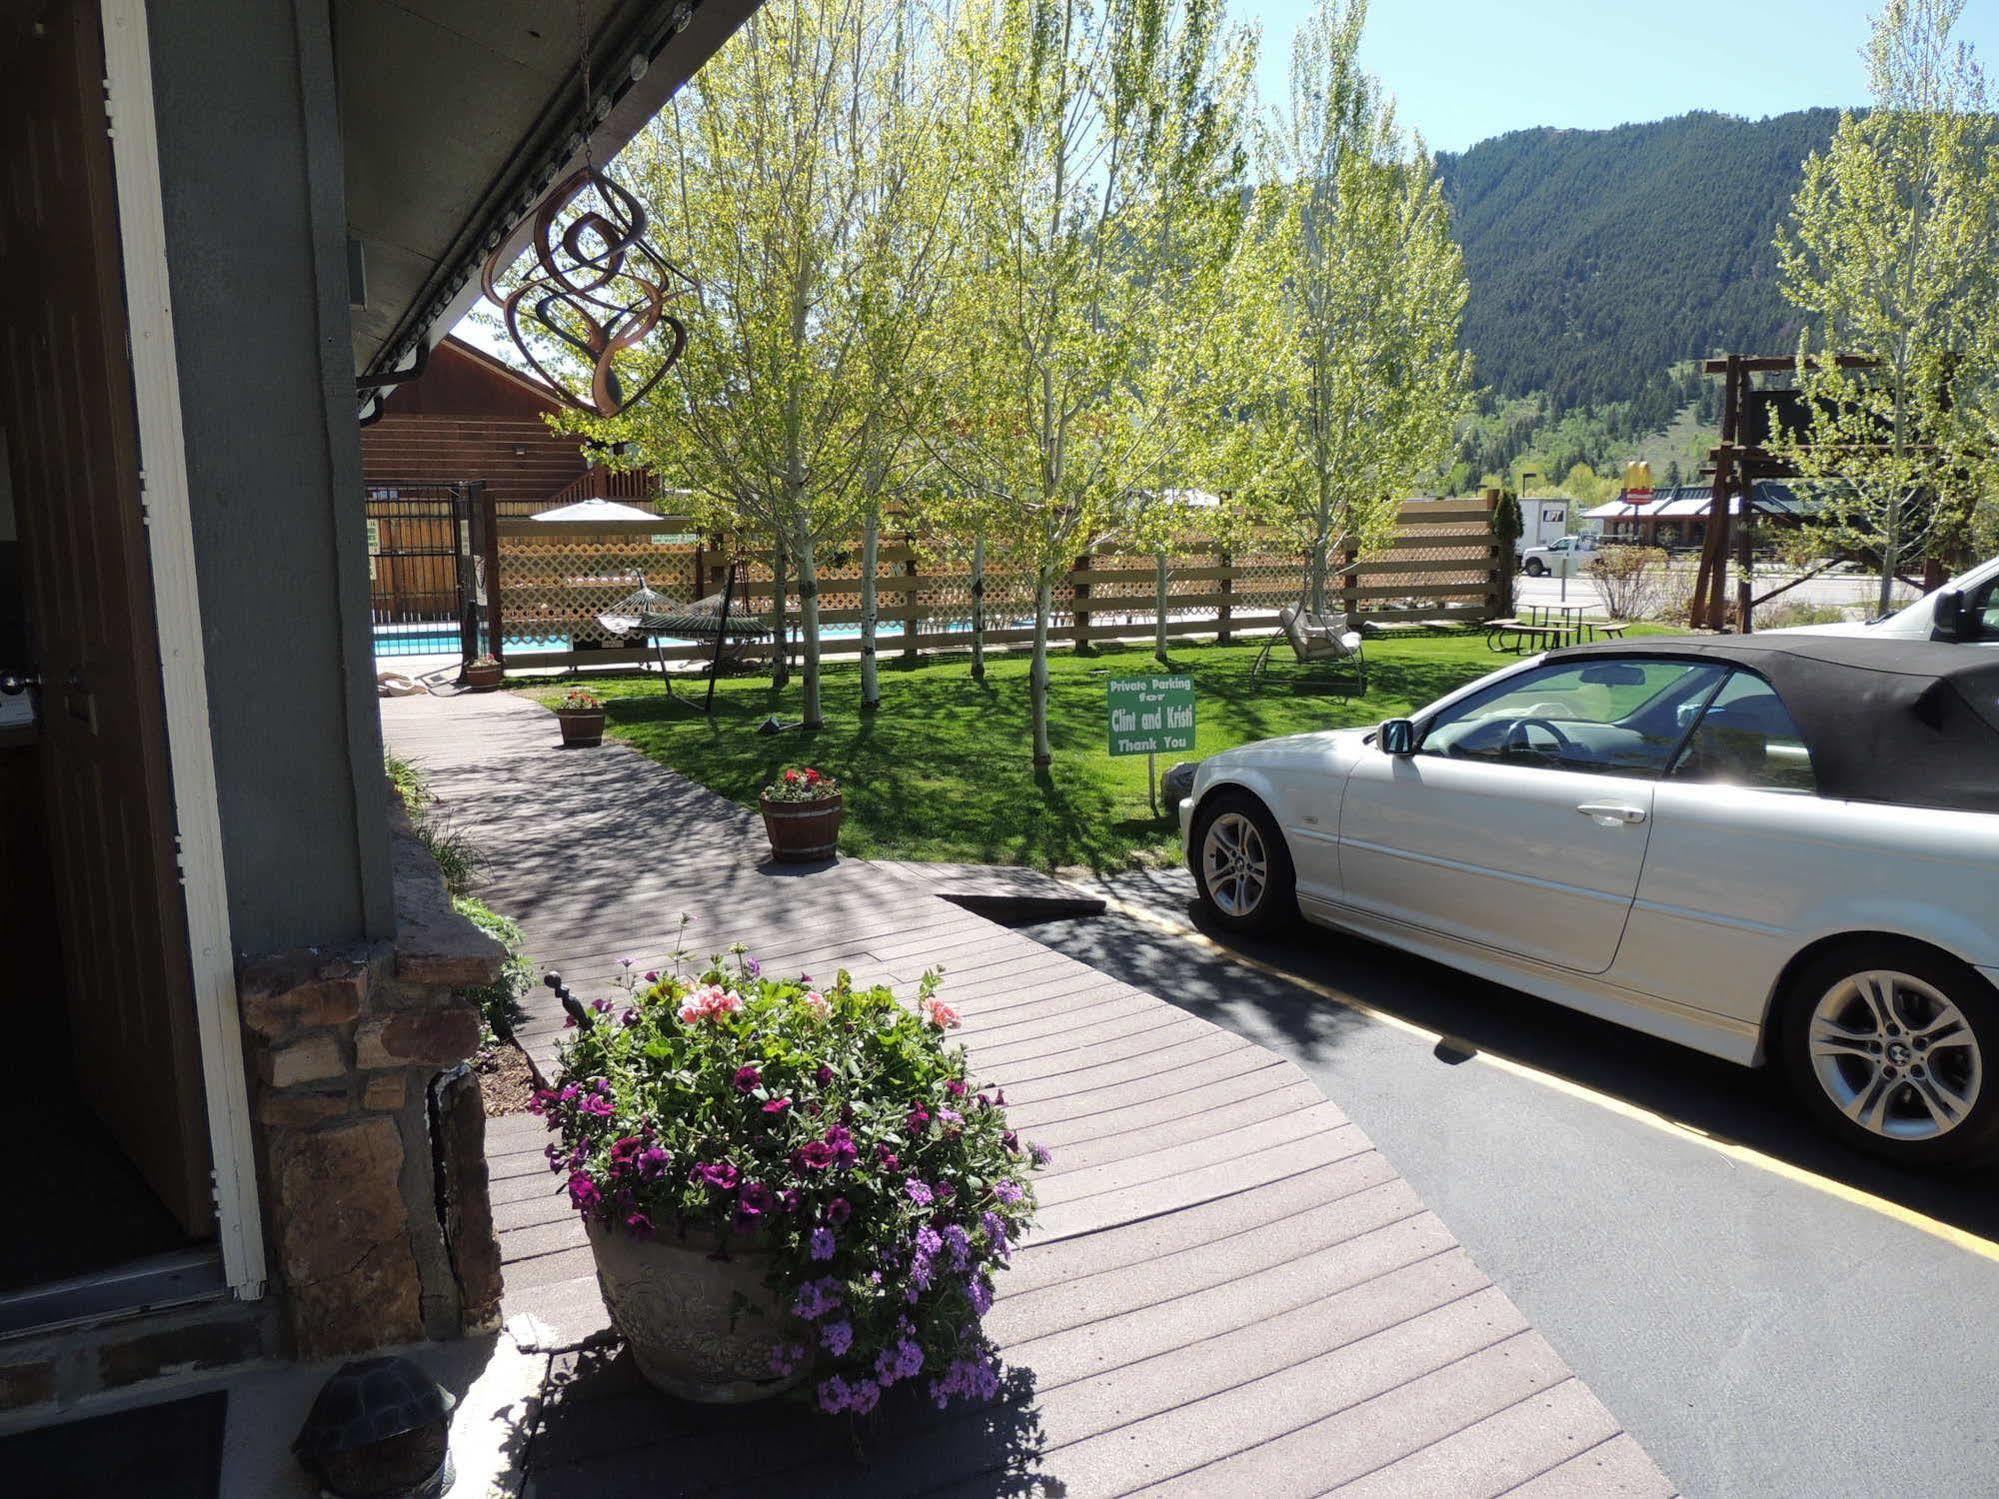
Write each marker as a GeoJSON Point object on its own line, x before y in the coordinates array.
{"type": "Point", "coordinates": [457, 116]}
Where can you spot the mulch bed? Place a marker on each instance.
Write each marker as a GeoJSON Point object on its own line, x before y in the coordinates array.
{"type": "Point", "coordinates": [506, 1082]}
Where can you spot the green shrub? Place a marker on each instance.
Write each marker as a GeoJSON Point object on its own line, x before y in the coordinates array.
{"type": "Point", "coordinates": [500, 1001]}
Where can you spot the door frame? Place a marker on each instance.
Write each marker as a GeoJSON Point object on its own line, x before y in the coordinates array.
{"type": "Point", "coordinates": [177, 606]}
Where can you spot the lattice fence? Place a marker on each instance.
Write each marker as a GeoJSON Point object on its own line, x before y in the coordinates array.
{"type": "Point", "coordinates": [556, 578]}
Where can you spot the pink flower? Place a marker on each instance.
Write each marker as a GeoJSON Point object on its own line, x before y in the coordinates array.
{"type": "Point", "coordinates": [596, 1104]}
{"type": "Point", "coordinates": [939, 1014]}
{"type": "Point", "coordinates": [778, 1106]}
{"type": "Point", "coordinates": [817, 1003]}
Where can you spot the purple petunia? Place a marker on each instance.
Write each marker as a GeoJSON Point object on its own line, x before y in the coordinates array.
{"type": "Point", "coordinates": [584, 1193]}
{"type": "Point", "coordinates": [886, 1158]}
{"type": "Point", "coordinates": [652, 1163]}
{"type": "Point", "coordinates": [823, 1076]}
{"type": "Point", "coordinates": [596, 1105]}
{"type": "Point", "coordinates": [838, 1211]}
{"type": "Point", "coordinates": [918, 1120]}
{"type": "Point", "coordinates": [720, 1175]}
{"type": "Point", "coordinates": [814, 1155]}
{"type": "Point", "coordinates": [638, 1225]}
{"type": "Point", "coordinates": [753, 968]}
{"type": "Point", "coordinates": [919, 1193]}
{"type": "Point", "coordinates": [837, 1337]}
{"type": "Point", "coordinates": [748, 1079]}
{"type": "Point", "coordinates": [822, 1244]}
{"type": "Point", "coordinates": [601, 1006]}
{"type": "Point", "coordinates": [778, 1106]}
{"type": "Point", "coordinates": [955, 1088]}
{"type": "Point", "coordinates": [841, 1139]}
{"type": "Point", "coordinates": [751, 1204]}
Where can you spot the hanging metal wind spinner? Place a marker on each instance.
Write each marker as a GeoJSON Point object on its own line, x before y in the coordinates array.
{"type": "Point", "coordinates": [592, 298]}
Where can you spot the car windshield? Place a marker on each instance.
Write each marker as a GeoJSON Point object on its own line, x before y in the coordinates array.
{"type": "Point", "coordinates": [1614, 717]}
{"type": "Point", "coordinates": [1969, 585]}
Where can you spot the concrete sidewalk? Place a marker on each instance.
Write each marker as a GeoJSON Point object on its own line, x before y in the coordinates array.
{"type": "Point", "coordinates": [1230, 1291]}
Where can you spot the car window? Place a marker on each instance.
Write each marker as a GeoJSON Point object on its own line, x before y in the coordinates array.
{"type": "Point", "coordinates": [1984, 608]}
{"type": "Point", "coordinates": [1608, 716]}
{"type": "Point", "coordinates": [1747, 738]}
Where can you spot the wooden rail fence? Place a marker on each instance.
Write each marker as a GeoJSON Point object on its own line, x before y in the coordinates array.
{"type": "Point", "coordinates": [555, 578]}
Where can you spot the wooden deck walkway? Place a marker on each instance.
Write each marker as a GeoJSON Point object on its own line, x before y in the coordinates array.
{"type": "Point", "coordinates": [1229, 1292]}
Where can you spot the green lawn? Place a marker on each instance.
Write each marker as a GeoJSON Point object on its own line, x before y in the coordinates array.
{"type": "Point", "coordinates": [942, 772]}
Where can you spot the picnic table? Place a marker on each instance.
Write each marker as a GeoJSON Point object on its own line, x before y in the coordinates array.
{"type": "Point", "coordinates": [1548, 627]}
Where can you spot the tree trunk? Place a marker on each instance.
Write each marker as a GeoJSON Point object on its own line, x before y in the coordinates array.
{"type": "Point", "coordinates": [1159, 606]}
{"type": "Point", "coordinates": [870, 551]}
{"type": "Point", "coordinates": [1316, 602]}
{"type": "Point", "coordinates": [1037, 675]}
{"type": "Point", "coordinates": [1891, 554]}
{"type": "Point", "coordinates": [978, 608]}
{"type": "Point", "coordinates": [808, 620]}
{"type": "Point", "coordinates": [780, 672]}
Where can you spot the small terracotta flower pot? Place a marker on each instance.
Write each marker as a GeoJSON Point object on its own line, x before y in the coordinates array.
{"type": "Point", "coordinates": [582, 727]}
{"type": "Point", "coordinates": [483, 676]}
{"type": "Point", "coordinates": [801, 832]}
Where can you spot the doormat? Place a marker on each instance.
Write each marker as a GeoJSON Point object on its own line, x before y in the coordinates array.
{"type": "Point", "coordinates": [169, 1451]}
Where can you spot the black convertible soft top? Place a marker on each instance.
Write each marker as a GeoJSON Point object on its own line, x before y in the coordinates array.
{"type": "Point", "coordinates": [1913, 722]}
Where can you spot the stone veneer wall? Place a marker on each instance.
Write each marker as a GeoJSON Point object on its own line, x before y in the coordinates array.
{"type": "Point", "coordinates": [370, 1132]}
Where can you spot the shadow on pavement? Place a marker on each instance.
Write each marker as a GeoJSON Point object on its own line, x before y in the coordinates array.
{"type": "Point", "coordinates": [1751, 1107]}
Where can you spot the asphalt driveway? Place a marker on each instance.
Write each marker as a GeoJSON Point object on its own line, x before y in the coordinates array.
{"type": "Point", "coordinates": [1769, 1314]}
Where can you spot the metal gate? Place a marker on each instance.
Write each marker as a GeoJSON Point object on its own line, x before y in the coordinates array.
{"type": "Point", "coordinates": [423, 576]}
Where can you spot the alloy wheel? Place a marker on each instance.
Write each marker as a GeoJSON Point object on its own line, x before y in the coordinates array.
{"type": "Point", "coordinates": [1235, 865]}
{"type": "Point", "coordinates": [1895, 1055]}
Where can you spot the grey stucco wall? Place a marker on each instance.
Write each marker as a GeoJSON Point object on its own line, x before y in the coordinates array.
{"type": "Point", "coordinates": [255, 222]}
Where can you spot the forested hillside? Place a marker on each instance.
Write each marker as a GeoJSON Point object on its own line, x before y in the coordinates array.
{"type": "Point", "coordinates": [1601, 260]}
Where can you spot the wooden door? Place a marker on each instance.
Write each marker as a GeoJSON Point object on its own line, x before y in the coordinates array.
{"type": "Point", "coordinates": [66, 401]}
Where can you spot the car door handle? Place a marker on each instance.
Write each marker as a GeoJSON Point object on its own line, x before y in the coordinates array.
{"type": "Point", "coordinates": [1610, 814]}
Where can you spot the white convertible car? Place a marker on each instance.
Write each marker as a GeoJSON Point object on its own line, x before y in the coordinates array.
{"type": "Point", "coordinates": [1772, 848]}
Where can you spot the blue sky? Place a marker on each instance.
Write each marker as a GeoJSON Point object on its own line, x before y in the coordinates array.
{"type": "Point", "coordinates": [1462, 70]}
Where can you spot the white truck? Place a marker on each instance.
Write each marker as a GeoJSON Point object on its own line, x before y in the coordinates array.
{"type": "Point", "coordinates": [1564, 557]}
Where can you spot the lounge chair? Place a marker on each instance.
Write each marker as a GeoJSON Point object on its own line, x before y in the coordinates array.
{"type": "Point", "coordinates": [1313, 641]}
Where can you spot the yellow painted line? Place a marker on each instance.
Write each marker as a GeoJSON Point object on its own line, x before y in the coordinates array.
{"type": "Point", "coordinates": [1746, 1155]}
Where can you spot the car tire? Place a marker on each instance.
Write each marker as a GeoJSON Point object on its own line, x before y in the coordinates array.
{"type": "Point", "coordinates": [1536, 568]}
{"type": "Point", "coordinates": [1887, 1082]}
{"type": "Point", "coordinates": [1240, 891]}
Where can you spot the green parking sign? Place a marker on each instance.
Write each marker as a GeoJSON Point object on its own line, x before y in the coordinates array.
{"type": "Point", "coordinates": [1151, 715]}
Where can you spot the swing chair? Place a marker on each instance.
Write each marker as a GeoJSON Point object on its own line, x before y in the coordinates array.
{"type": "Point", "coordinates": [650, 616]}
{"type": "Point", "coordinates": [1316, 642]}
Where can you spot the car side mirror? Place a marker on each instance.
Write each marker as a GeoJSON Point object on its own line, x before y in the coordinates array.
{"type": "Point", "coordinates": [1948, 616]}
{"type": "Point", "coordinates": [1397, 737]}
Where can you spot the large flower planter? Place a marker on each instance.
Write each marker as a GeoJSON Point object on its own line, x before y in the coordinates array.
{"type": "Point", "coordinates": [483, 676]}
{"type": "Point", "coordinates": [582, 727]}
{"type": "Point", "coordinates": [679, 1313]}
{"type": "Point", "coordinates": [801, 832]}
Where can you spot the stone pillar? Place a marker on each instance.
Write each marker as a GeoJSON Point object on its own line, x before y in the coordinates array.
{"type": "Point", "coordinates": [380, 1229]}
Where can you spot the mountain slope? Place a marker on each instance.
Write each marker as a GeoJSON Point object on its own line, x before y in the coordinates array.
{"type": "Point", "coordinates": [1598, 258]}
